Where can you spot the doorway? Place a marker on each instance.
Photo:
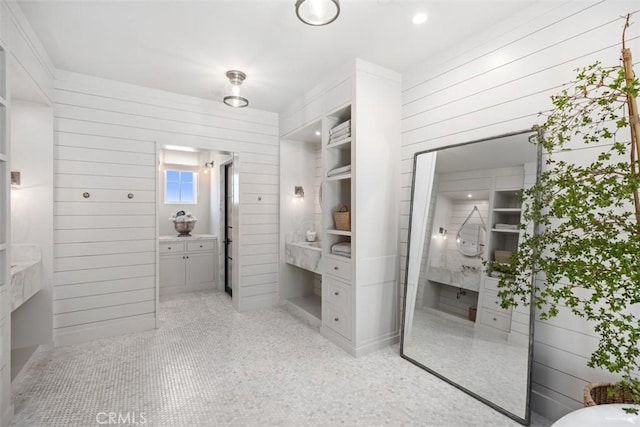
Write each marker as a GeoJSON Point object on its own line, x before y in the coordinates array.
{"type": "Point", "coordinates": [228, 228]}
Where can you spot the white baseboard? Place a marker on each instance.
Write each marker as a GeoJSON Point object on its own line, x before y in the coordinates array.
{"type": "Point", "coordinates": [548, 407]}
{"type": "Point", "coordinates": [377, 344]}
{"type": "Point", "coordinates": [258, 302]}
{"type": "Point", "coordinates": [187, 288]}
{"type": "Point", "coordinates": [97, 330]}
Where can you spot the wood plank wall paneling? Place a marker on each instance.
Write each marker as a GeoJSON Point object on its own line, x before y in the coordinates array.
{"type": "Point", "coordinates": [104, 268]}
{"type": "Point", "coordinates": [499, 82]}
{"type": "Point", "coordinates": [122, 123]}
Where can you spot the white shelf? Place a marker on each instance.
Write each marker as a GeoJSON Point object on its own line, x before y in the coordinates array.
{"type": "Point", "coordinates": [339, 257]}
{"type": "Point", "coordinates": [339, 177]}
{"type": "Point", "coordinates": [3, 157]}
{"type": "Point", "coordinates": [3, 246]}
{"type": "Point", "coordinates": [501, 230]}
{"type": "Point", "coordinates": [343, 145]}
{"type": "Point", "coordinates": [338, 232]}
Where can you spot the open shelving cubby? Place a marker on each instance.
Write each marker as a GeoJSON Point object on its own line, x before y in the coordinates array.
{"type": "Point", "coordinates": [337, 191]}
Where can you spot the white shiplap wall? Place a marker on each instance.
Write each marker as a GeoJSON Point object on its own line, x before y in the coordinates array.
{"type": "Point", "coordinates": [498, 82]}
{"type": "Point", "coordinates": [126, 122]}
{"type": "Point", "coordinates": [104, 245]}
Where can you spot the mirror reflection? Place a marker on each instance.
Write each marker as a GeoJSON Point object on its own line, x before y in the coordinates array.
{"type": "Point", "coordinates": [454, 326]}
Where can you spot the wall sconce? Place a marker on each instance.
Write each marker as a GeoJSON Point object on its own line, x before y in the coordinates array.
{"type": "Point", "coordinates": [317, 12]}
{"type": "Point", "coordinates": [15, 179]}
{"type": "Point", "coordinates": [299, 191]}
{"type": "Point", "coordinates": [442, 233]}
{"type": "Point", "coordinates": [207, 166]}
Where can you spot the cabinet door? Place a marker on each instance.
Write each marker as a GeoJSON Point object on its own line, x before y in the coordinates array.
{"type": "Point", "coordinates": [200, 267]}
{"type": "Point", "coordinates": [172, 271]}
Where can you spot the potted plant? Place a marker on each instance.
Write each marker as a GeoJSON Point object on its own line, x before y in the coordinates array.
{"type": "Point", "coordinates": [587, 215]}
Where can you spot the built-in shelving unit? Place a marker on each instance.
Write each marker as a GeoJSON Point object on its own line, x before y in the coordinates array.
{"type": "Point", "coordinates": [358, 110]}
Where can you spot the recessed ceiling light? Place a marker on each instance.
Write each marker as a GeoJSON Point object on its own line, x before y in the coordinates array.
{"type": "Point", "coordinates": [469, 195]}
{"type": "Point", "coordinates": [419, 18]}
{"type": "Point", "coordinates": [317, 133]}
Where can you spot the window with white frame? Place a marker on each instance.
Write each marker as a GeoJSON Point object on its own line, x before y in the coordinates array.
{"type": "Point", "coordinates": [180, 186]}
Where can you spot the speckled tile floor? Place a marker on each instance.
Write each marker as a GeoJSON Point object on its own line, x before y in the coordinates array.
{"type": "Point", "coordinates": [208, 365]}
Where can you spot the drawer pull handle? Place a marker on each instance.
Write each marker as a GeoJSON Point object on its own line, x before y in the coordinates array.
{"type": "Point", "coordinates": [495, 320]}
{"type": "Point", "coordinates": [200, 245]}
{"type": "Point", "coordinates": [187, 257]}
{"type": "Point", "coordinates": [335, 268]}
{"type": "Point", "coordinates": [336, 293]}
{"type": "Point", "coordinates": [86, 195]}
{"type": "Point", "coordinates": [168, 247]}
{"type": "Point", "coordinates": [130, 196]}
{"type": "Point", "coordinates": [336, 319]}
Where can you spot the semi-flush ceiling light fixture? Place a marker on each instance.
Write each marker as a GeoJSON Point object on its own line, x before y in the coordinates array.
{"type": "Point", "coordinates": [317, 12]}
{"type": "Point", "coordinates": [235, 100]}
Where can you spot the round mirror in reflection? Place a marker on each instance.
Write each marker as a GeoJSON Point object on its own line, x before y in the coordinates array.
{"type": "Point", "coordinates": [470, 239]}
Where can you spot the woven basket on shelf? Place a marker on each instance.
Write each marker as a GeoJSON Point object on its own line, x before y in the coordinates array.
{"type": "Point", "coordinates": [598, 394]}
{"type": "Point", "coordinates": [342, 219]}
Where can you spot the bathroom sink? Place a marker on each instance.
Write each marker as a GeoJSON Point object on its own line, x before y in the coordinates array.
{"type": "Point", "coordinates": [440, 275]}
{"type": "Point", "coordinates": [26, 273]}
{"type": "Point", "coordinates": [306, 255]}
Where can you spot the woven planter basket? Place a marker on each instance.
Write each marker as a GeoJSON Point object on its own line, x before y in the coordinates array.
{"type": "Point", "coordinates": [597, 394]}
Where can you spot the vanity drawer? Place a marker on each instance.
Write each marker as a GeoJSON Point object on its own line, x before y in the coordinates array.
{"type": "Point", "coordinates": [200, 245]}
{"type": "Point", "coordinates": [494, 319]}
{"type": "Point", "coordinates": [338, 321]}
{"type": "Point", "coordinates": [170, 247]}
{"type": "Point", "coordinates": [492, 302]}
{"type": "Point", "coordinates": [491, 283]}
{"type": "Point", "coordinates": [338, 268]}
{"type": "Point", "coordinates": [337, 293]}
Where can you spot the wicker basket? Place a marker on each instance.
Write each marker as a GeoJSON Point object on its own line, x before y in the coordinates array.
{"type": "Point", "coordinates": [598, 394]}
{"type": "Point", "coordinates": [473, 310]}
{"type": "Point", "coordinates": [342, 219]}
{"type": "Point", "coordinates": [502, 256]}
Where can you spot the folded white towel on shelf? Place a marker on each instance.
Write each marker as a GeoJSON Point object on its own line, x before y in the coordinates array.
{"type": "Point", "coordinates": [343, 249]}
{"type": "Point", "coordinates": [339, 170]}
{"type": "Point", "coordinates": [341, 133]}
{"type": "Point", "coordinates": [338, 128]}
{"type": "Point", "coordinates": [340, 139]}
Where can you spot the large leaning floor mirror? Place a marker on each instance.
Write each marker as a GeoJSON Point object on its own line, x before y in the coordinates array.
{"type": "Point", "coordinates": [465, 213]}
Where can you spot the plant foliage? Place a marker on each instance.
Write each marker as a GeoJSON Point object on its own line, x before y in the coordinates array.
{"type": "Point", "coordinates": [586, 253]}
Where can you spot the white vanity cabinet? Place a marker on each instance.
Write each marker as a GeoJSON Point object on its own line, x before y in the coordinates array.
{"type": "Point", "coordinates": [188, 263]}
{"type": "Point", "coordinates": [337, 296]}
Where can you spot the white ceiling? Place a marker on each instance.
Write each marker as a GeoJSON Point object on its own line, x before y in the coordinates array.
{"type": "Point", "coordinates": [186, 46]}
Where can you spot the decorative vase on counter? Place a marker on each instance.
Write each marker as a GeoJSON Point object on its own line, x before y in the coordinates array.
{"type": "Point", "coordinates": [183, 222]}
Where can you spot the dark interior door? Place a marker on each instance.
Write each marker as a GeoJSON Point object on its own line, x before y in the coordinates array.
{"type": "Point", "coordinates": [228, 227]}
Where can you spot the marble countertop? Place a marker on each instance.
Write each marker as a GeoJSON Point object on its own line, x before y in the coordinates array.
{"type": "Point", "coordinates": [176, 238]}
{"type": "Point", "coordinates": [26, 273]}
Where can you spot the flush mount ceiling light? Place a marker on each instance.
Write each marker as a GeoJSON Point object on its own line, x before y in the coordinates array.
{"type": "Point", "coordinates": [235, 100]}
{"type": "Point", "coordinates": [419, 18]}
{"type": "Point", "coordinates": [317, 12]}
